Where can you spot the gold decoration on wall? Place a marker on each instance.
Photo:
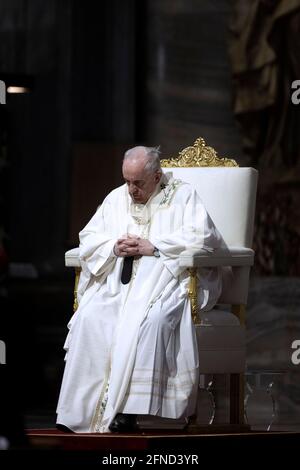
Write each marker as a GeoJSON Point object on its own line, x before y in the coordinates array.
{"type": "Point", "coordinates": [198, 155]}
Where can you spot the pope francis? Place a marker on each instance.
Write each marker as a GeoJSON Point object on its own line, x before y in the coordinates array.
{"type": "Point", "coordinates": [131, 347]}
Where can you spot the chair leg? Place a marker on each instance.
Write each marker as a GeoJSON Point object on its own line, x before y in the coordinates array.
{"type": "Point", "coordinates": [237, 380]}
{"type": "Point", "coordinates": [240, 311]}
{"type": "Point", "coordinates": [236, 398]}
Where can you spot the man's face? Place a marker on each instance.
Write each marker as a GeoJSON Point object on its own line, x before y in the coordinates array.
{"type": "Point", "coordinates": [141, 183]}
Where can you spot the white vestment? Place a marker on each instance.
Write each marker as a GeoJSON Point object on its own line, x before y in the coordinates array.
{"type": "Point", "coordinates": [132, 348]}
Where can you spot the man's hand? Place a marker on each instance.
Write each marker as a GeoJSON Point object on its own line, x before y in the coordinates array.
{"type": "Point", "coordinates": [125, 246]}
{"type": "Point", "coordinates": [131, 245]}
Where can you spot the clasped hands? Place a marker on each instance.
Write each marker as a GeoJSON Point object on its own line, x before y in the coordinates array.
{"type": "Point", "coordinates": [132, 245]}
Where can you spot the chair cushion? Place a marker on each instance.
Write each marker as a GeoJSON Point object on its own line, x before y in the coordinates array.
{"type": "Point", "coordinates": [216, 317]}
{"type": "Point", "coordinates": [221, 343]}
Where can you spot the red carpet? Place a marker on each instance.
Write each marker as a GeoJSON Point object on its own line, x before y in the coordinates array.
{"type": "Point", "coordinates": [50, 448]}
{"type": "Point", "coordinates": [151, 441]}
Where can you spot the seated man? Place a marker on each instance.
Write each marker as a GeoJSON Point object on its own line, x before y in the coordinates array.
{"type": "Point", "coordinates": [132, 348]}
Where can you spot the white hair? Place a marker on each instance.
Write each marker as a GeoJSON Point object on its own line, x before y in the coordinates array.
{"type": "Point", "coordinates": [153, 153]}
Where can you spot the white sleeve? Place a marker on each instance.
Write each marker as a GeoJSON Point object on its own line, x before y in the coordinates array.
{"type": "Point", "coordinates": [197, 231]}
{"type": "Point", "coordinates": [96, 243]}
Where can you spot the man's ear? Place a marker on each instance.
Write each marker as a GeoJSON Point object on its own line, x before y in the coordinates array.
{"type": "Point", "coordinates": [158, 175]}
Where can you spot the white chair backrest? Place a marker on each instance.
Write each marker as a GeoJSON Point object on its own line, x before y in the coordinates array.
{"type": "Point", "coordinates": [229, 195]}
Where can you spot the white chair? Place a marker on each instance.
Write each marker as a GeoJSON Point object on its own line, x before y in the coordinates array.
{"type": "Point", "coordinates": [229, 195]}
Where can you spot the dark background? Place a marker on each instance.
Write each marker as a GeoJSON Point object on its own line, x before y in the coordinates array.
{"type": "Point", "coordinates": [104, 76]}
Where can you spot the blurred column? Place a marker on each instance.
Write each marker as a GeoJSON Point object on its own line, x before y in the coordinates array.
{"type": "Point", "coordinates": [187, 91]}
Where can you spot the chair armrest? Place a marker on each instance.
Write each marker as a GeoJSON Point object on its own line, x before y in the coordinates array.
{"type": "Point", "coordinates": [72, 258]}
{"type": "Point", "coordinates": [231, 256]}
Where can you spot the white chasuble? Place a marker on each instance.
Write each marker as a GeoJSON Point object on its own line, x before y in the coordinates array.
{"type": "Point", "coordinates": [132, 348]}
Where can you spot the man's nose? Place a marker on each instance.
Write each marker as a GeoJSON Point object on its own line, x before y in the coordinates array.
{"type": "Point", "coordinates": [132, 187]}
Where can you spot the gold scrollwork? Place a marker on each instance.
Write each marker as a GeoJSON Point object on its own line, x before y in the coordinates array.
{"type": "Point", "coordinates": [192, 293]}
{"type": "Point", "coordinates": [77, 275]}
{"type": "Point", "coordinates": [198, 155]}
